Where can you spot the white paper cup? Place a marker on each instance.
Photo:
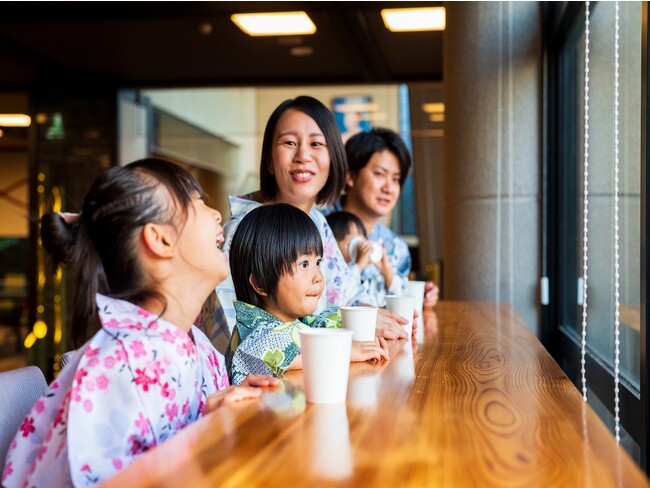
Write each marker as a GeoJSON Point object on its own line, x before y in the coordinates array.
{"type": "Point", "coordinates": [401, 305]}
{"type": "Point", "coordinates": [416, 290]}
{"type": "Point", "coordinates": [375, 255]}
{"type": "Point", "coordinates": [326, 364]}
{"type": "Point", "coordinates": [360, 320]}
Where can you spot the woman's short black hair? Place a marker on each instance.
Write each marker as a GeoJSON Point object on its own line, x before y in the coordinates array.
{"type": "Point", "coordinates": [266, 244]}
{"type": "Point", "coordinates": [325, 121]}
{"type": "Point", "coordinates": [340, 222]}
{"type": "Point", "coordinates": [361, 147]}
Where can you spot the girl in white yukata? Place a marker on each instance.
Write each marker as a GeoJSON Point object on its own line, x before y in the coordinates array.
{"type": "Point", "coordinates": [146, 252]}
{"type": "Point", "coordinates": [275, 258]}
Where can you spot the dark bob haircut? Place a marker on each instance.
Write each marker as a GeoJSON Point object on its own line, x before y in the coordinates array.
{"type": "Point", "coordinates": [325, 121]}
{"type": "Point", "coordinates": [360, 148]}
{"type": "Point", "coordinates": [340, 222]}
{"type": "Point", "coordinates": [266, 244]}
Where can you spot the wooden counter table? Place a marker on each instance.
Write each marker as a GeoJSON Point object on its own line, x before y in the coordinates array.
{"type": "Point", "coordinates": [478, 402]}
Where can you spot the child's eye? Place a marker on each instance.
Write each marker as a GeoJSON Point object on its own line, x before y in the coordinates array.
{"type": "Point", "coordinates": [303, 264]}
{"type": "Point", "coordinates": [319, 261]}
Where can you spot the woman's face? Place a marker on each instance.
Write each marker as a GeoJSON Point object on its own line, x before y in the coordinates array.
{"type": "Point", "coordinates": [300, 159]}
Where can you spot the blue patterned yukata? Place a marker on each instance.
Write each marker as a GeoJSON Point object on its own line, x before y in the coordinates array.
{"type": "Point", "coordinates": [342, 287]}
{"type": "Point", "coordinates": [399, 257]}
{"type": "Point", "coordinates": [263, 344]}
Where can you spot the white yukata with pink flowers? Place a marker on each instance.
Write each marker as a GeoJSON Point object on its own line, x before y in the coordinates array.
{"type": "Point", "coordinates": [138, 381]}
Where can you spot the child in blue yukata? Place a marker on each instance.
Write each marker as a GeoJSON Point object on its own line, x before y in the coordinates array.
{"type": "Point", "coordinates": [358, 251]}
{"type": "Point", "coordinates": [275, 259]}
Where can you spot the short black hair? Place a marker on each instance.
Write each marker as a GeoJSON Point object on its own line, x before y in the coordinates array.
{"type": "Point", "coordinates": [266, 244]}
{"type": "Point", "coordinates": [340, 222]}
{"type": "Point", "coordinates": [361, 147]}
{"type": "Point", "coordinates": [325, 121]}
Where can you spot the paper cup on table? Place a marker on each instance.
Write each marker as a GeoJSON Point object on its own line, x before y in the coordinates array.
{"type": "Point", "coordinates": [360, 320]}
{"type": "Point", "coordinates": [402, 306]}
{"type": "Point", "coordinates": [416, 290]}
{"type": "Point", "coordinates": [326, 364]}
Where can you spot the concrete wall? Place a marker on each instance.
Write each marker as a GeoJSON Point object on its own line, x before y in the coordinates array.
{"type": "Point", "coordinates": [492, 154]}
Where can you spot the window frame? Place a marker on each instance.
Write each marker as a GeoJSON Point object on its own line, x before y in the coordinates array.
{"type": "Point", "coordinates": [560, 213]}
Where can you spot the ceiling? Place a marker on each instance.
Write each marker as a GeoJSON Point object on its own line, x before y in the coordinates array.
{"type": "Point", "coordinates": [165, 44]}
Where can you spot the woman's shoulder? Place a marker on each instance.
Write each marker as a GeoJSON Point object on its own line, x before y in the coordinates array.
{"type": "Point", "coordinates": [240, 205]}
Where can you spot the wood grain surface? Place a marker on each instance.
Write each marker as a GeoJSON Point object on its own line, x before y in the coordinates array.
{"type": "Point", "coordinates": [475, 401]}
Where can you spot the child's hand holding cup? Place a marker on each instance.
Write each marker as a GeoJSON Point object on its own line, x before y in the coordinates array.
{"type": "Point", "coordinates": [363, 252]}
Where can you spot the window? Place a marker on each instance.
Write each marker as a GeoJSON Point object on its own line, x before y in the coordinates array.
{"type": "Point", "coordinates": [564, 224]}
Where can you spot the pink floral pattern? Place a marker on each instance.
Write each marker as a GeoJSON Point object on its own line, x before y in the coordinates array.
{"type": "Point", "coordinates": [134, 384]}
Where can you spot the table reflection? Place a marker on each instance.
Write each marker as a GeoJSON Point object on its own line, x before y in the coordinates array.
{"type": "Point", "coordinates": [331, 454]}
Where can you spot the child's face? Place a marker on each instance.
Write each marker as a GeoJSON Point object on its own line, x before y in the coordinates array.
{"type": "Point", "coordinates": [200, 240]}
{"type": "Point", "coordinates": [298, 293]}
{"type": "Point", "coordinates": [344, 244]}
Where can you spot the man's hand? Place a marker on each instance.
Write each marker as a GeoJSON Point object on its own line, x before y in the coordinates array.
{"type": "Point", "coordinates": [431, 293]}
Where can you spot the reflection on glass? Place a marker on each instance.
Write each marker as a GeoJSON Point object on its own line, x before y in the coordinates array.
{"type": "Point", "coordinates": [331, 454]}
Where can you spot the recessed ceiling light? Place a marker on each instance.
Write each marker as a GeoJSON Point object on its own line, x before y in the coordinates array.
{"type": "Point", "coordinates": [275, 23]}
{"type": "Point", "coordinates": [414, 19]}
{"type": "Point", "coordinates": [15, 120]}
{"type": "Point", "coordinates": [431, 108]}
{"type": "Point", "coordinates": [437, 117]}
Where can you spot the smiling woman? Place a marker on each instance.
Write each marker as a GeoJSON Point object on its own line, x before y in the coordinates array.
{"type": "Point", "coordinates": [303, 164]}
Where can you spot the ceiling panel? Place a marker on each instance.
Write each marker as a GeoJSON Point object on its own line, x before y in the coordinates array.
{"type": "Point", "coordinates": [195, 43]}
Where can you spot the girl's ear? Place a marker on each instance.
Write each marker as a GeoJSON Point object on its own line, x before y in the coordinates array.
{"type": "Point", "coordinates": [256, 287]}
{"type": "Point", "coordinates": [158, 239]}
